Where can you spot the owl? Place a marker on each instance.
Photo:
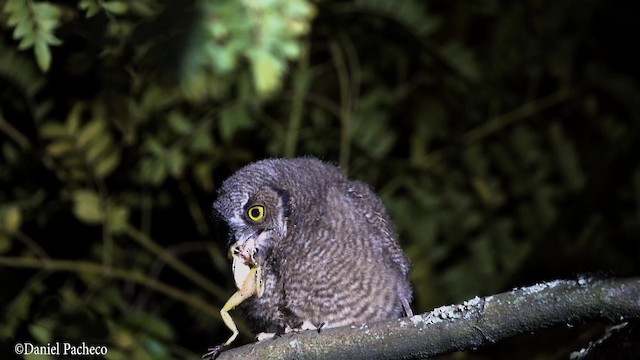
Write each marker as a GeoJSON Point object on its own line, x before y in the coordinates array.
{"type": "Point", "coordinates": [310, 248]}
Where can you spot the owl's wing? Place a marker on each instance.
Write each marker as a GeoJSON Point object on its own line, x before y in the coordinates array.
{"type": "Point", "coordinates": [365, 202]}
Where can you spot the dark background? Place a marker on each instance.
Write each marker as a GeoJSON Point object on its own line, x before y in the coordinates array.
{"type": "Point", "coordinates": [502, 136]}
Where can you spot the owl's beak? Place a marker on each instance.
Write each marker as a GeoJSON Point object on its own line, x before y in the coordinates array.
{"type": "Point", "coordinates": [250, 239]}
{"type": "Point", "coordinates": [246, 245]}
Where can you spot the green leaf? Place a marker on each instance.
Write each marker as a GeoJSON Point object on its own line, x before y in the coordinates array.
{"type": "Point", "coordinates": [153, 171]}
{"type": "Point", "coordinates": [51, 39]}
{"type": "Point", "coordinates": [175, 161]}
{"type": "Point", "coordinates": [35, 24]}
{"type": "Point", "coordinates": [41, 331]}
{"type": "Point", "coordinates": [27, 41]}
{"type": "Point", "coordinates": [98, 147]}
{"type": "Point", "coordinates": [179, 123]}
{"type": "Point", "coordinates": [12, 219]}
{"type": "Point", "coordinates": [155, 147]}
{"type": "Point", "coordinates": [233, 120]}
{"type": "Point", "coordinates": [5, 246]}
{"type": "Point", "coordinates": [195, 86]}
{"type": "Point", "coordinates": [18, 12]}
{"type": "Point", "coordinates": [43, 55]}
{"type": "Point", "coordinates": [45, 12]}
{"type": "Point", "coordinates": [463, 60]}
{"type": "Point", "coordinates": [22, 29]}
{"type": "Point", "coordinates": [106, 165]}
{"type": "Point", "coordinates": [202, 173]}
{"type": "Point", "coordinates": [90, 131]}
{"type": "Point", "coordinates": [87, 206]}
{"type": "Point", "coordinates": [60, 147]}
{"type": "Point", "coordinates": [11, 154]}
{"type": "Point", "coordinates": [69, 298]}
{"type": "Point", "coordinates": [145, 8]}
{"type": "Point", "coordinates": [267, 72]}
{"type": "Point", "coordinates": [118, 218]}
{"type": "Point", "coordinates": [52, 130]}
{"type": "Point", "coordinates": [223, 59]}
{"type": "Point", "coordinates": [202, 141]}
{"type": "Point", "coordinates": [90, 6]}
{"type": "Point", "coordinates": [19, 310]}
{"type": "Point", "coordinates": [73, 118]}
{"type": "Point", "coordinates": [110, 297]}
{"type": "Point", "coordinates": [372, 133]}
{"type": "Point", "coordinates": [116, 7]}
{"type": "Point", "coordinates": [291, 49]}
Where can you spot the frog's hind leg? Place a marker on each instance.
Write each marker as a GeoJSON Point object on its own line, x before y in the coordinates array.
{"type": "Point", "coordinates": [249, 288]}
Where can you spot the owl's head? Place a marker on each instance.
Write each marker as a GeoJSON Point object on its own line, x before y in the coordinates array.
{"type": "Point", "coordinates": [261, 199]}
{"type": "Point", "coordinates": [255, 203]}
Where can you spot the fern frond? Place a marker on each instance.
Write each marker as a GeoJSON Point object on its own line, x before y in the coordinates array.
{"type": "Point", "coordinates": [230, 34]}
{"type": "Point", "coordinates": [92, 7]}
{"type": "Point", "coordinates": [34, 25]}
{"type": "Point", "coordinates": [22, 74]}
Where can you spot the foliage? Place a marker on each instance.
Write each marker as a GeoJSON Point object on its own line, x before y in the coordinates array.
{"type": "Point", "coordinates": [262, 33]}
{"type": "Point", "coordinates": [35, 24]}
{"type": "Point", "coordinates": [502, 136]}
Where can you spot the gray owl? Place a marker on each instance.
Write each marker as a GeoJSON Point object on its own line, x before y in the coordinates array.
{"type": "Point", "coordinates": [311, 248]}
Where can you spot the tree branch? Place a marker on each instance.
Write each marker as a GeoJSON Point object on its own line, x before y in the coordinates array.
{"type": "Point", "coordinates": [96, 268]}
{"type": "Point", "coordinates": [176, 263]}
{"type": "Point", "coordinates": [472, 324]}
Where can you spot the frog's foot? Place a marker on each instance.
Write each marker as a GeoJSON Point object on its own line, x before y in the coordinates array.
{"type": "Point", "coordinates": [213, 352]}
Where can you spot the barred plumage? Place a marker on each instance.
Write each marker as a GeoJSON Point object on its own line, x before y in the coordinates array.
{"type": "Point", "coordinates": [325, 245]}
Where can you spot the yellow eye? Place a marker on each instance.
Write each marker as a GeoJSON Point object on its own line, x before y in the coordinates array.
{"type": "Point", "coordinates": [256, 212]}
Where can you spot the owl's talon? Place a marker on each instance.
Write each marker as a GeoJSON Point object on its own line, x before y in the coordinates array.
{"type": "Point", "coordinates": [304, 325]}
{"type": "Point", "coordinates": [307, 325]}
{"type": "Point", "coordinates": [323, 325]}
{"type": "Point", "coordinates": [265, 336]}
